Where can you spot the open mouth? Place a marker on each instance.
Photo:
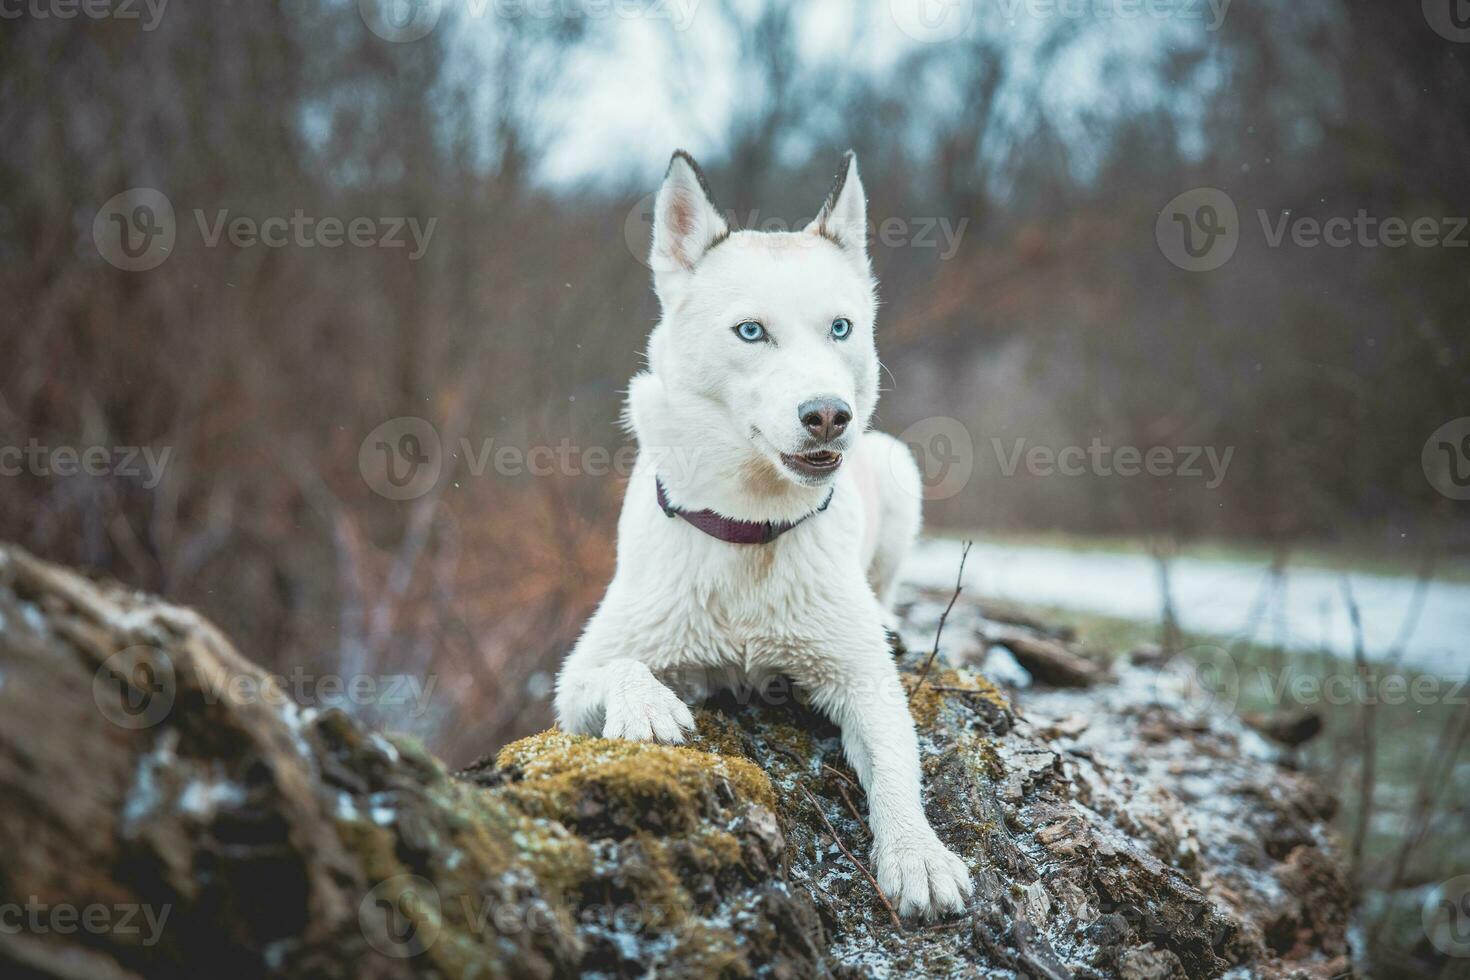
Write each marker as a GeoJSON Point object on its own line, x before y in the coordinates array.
{"type": "Point", "coordinates": [817, 463]}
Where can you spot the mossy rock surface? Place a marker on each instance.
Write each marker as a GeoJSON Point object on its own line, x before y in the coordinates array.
{"type": "Point", "coordinates": [1110, 834]}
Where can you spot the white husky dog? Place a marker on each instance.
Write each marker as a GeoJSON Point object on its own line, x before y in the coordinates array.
{"type": "Point", "coordinates": [763, 527]}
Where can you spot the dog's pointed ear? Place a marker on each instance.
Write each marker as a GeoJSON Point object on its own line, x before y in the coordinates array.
{"type": "Point", "coordinates": [844, 218]}
{"type": "Point", "coordinates": [685, 223]}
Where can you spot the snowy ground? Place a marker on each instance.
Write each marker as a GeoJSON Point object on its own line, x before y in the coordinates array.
{"type": "Point", "coordinates": [1216, 597]}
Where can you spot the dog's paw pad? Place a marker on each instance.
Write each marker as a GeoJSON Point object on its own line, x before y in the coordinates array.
{"type": "Point", "coordinates": [923, 877]}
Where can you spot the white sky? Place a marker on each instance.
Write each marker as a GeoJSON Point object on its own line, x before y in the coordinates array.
{"type": "Point", "coordinates": [625, 103]}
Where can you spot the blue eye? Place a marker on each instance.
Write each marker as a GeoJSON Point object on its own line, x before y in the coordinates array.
{"type": "Point", "coordinates": [841, 328]}
{"type": "Point", "coordinates": [750, 331]}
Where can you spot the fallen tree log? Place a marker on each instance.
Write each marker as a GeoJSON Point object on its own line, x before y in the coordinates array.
{"type": "Point", "coordinates": [1045, 658]}
{"type": "Point", "coordinates": [169, 812]}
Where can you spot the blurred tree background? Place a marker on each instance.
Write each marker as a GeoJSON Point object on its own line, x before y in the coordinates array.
{"type": "Point", "coordinates": [1047, 145]}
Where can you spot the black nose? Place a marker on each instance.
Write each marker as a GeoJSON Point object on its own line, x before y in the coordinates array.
{"type": "Point", "coordinates": [825, 418]}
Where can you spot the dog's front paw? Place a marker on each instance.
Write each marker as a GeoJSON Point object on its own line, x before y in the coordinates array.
{"type": "Point", "coordinates": [642, 709]}
{"type": "Point", "coordinates": [922, 876]}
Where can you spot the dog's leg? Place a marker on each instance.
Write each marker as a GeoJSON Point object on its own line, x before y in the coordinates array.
{"type": "Point", "coordinates": [899, 489]}
{"type": "Point", "coordinates": [616, 697]}
{"type": "Point", "coordinates": [857, 686]}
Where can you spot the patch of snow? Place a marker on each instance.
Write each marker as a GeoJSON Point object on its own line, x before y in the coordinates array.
{"type": "Point", "coordinates": [346, 808]}
{"type": "Point", "coordinates": [275, 953]}
{"type": "Point", "coordinates": [33, 618]}
{"type": "Point", "coordinates": [1001, 667]}
{"type": "Point", "coordinates": [381, 809]}
{"type": "Point", "coordinates": [385, 746]}
{"type": "Point", "coordinates": [202, 799]}
{"type": "Point", "coordinates": [1216, 597]}
{"type": "Point", "coordinates": [147, 794]}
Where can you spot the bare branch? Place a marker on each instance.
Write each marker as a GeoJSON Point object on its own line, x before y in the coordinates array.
{"type": "Point", "coordinates": [958, 584]}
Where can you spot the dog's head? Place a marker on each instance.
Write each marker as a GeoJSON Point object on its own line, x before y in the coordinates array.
{"type": "Point", "coordinates": [764, 357]}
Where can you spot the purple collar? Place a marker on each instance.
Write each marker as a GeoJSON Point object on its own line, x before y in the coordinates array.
{"type": "Point", "coordinates": [728, 528]}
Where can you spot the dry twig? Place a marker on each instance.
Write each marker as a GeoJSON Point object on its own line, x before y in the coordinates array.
{"type": "Point", "coordinates": [938, 632]}
{"type": "Point", "coordinates": [897, 924]}
{"type": "Point", "coordinates": [1367, 736]}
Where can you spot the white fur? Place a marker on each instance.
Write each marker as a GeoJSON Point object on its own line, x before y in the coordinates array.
{"type": "Point", "coordinates": [712, 415]}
